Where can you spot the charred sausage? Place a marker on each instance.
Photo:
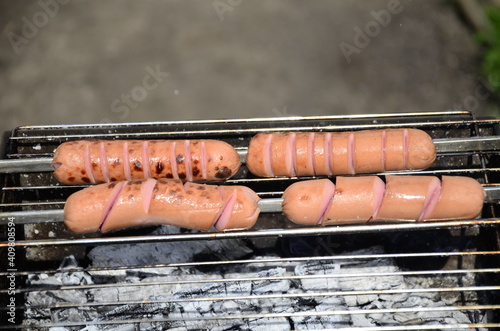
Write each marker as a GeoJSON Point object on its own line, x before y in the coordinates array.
{"type": "Point", "coordinates": [123, 204]}
{"type": "Point", "coordinates": [101, 161]}
{"type": "Point", "coordinates": [338, 153]}
{"type": "Point", "coordinates": [363, 199]}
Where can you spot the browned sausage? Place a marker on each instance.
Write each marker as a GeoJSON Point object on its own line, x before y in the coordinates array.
{"type": "Point", "coordinates": [101, 161]}
{"type": "Point", "coordinates": [363, 199]}
{"type": "Point", "coordinates": [123, 204]}
{"type": "Point", "coordinates": [337, 153]}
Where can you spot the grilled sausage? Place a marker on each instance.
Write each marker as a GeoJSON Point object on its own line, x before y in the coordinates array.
{"type": "Point", "coordinates": [363, 199]}
{"type": "Point", "coordinates": [101, 161]}
{"type": "Point", "coordinates": [338, 153]}
{"type": "Point", "coordinates": [123, 204]}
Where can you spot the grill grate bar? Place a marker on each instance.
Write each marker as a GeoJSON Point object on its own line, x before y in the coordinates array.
{"type": "Point", "coordinates": [284, 314]}
{"type": "Point", "coordinates": [435, 273]}
{"type": "Point", "coordinates": [419, 327]}
{"type": "Point", "coordinates": [307, 231]}
{"type": "Point", "coordinates": [251, 131]}
{"type": "Point", "coordinates": [411, 116]}
{"type": "Point", "coordinates": [269, 296]}
{"type": "Point", "coordinates": [280, 260]}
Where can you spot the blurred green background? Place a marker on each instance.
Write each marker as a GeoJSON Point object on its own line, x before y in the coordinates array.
{"type": "Point", "coordinates": [75, 61]}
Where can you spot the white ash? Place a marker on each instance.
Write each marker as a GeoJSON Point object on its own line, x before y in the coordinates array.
{"type": "Point", "coordinates": [174, 304]}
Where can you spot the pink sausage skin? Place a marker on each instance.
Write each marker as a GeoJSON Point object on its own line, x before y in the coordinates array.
{"type": "Point", "coordinates": [461, 197]}
{"type": "Point", "coordinates": [339, 153]}
{"type": "Point", "coordinates": [356, 200]}
{"type": "Point", "coordinates": [101, 161]}
{"type": "Point", "coordinates": [365, 199]}
{"type": "Point", "coordinates": [124, 204]}
{"type": "Point", "coordinates": [307, 202]}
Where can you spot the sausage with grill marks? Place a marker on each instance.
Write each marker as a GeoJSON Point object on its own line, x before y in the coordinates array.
{"type": "Point", "coordinates": [339, 153]}
{"type": "Point", "coordinates": [124, 204]}
{"type": "Point", "coordinates": [368, 198]}
{"type": "Point", "coordinates": [101, 161]}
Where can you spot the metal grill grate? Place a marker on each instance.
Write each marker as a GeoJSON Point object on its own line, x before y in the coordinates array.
{"type": "Point", "coordinates": [449, 269]}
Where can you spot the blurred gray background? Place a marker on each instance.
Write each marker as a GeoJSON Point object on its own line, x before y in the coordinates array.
{"type": "Point", "coordinates": [73, 61]}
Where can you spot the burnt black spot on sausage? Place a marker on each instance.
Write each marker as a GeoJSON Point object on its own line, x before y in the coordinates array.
{"type": "Point", "coordinates": [111, 185]}
{"type": "Point", "coordinates": [137, 165]}
{"type": "Point", "coordinates": [221, 157]}
{"type": "Point", "coordinates": [85, 179]}
{"type": "Point", "coordinates": [112, 179]}
{"type": "Point", "coordinates": [94, 165]}
{"type": "Point", "coordinates": [182, 176]}
{"type": "Point", "coordinates": [201, 188]}
{"type": "Point", "coordinates": [159, 167]}
{"type": "Point", "coordinates": [223, 172]}
{"type": "Point", "coordinates": [137, 182]}
{"type": "Point", "coordinates": [71, 179]}
{"type": "Point", "coordinates": [194, 143]}
{"type": "Point", "coordinates": [179, 158]}
{"type": "Point", "coordinates": [83, 172]}
{"type": "Point", "coordinates": [189, 192]}
{"type": "Point", "coordinates": [196, 171]}
{"type": "Point", "coordinates": [196, 161]}
{"type": "Point", "coordinates": [169, 176]}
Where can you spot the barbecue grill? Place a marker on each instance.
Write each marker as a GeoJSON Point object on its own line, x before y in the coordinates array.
{"type": "Point", "coordinates": [278, 275]}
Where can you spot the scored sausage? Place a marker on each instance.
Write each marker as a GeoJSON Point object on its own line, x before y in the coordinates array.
{"type": "Point", "coordinates": [101, 161]}
{"type": "Point", "coordinates": [123, 204]}
{"type": "Point", "coordinates": [364, 199]}
{"type": "Point", "coordinates": [339, 153]}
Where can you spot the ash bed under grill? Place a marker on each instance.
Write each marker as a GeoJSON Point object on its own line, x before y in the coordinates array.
{"type": "Point", "coordinates": [279, 276]}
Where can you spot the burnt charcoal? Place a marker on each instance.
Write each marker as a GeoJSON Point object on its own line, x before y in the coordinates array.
{"type": "Point", "coordinates": [167, 252]}
{"type": "Point", "coordinates": [240, 294]}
